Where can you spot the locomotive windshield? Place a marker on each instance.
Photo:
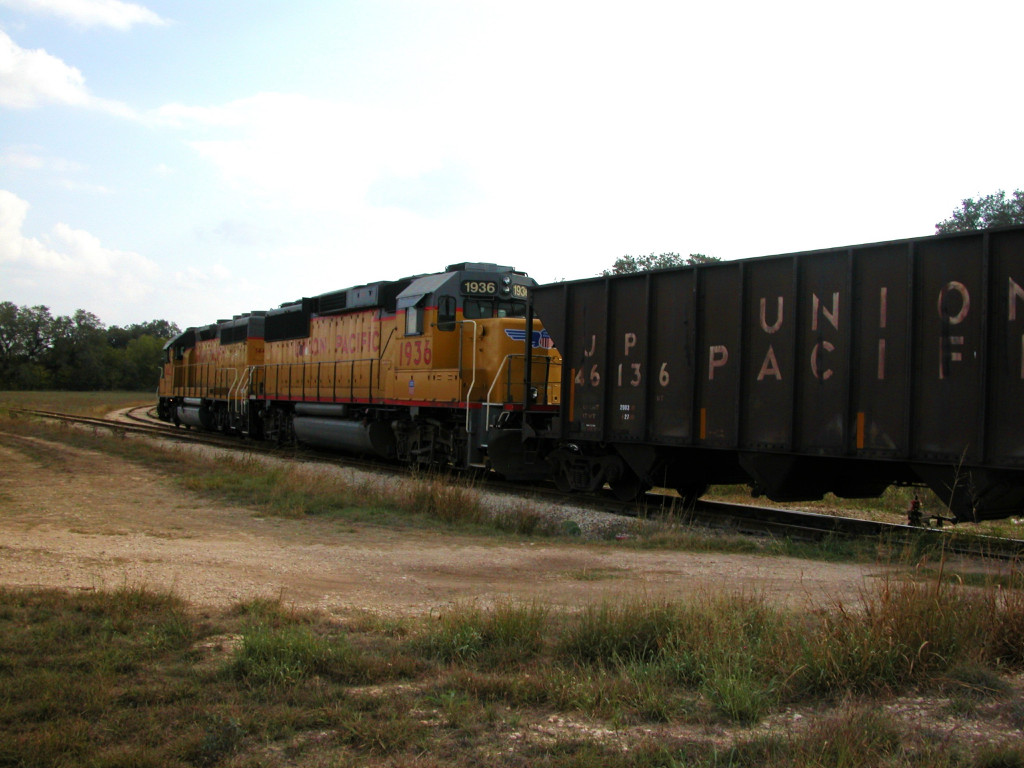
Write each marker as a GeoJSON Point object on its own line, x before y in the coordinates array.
{"type": "Point", "coordinates": [478, 309]}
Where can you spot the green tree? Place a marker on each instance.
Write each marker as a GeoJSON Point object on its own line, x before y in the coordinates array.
{"type": "Point", "coordinates": [627, 265]}
{"type": "Point", "coordinates": [995, 210]}
{"type": "Point", "coordinates": [26, 333]}
{"type": "Point", "coordinates": [141, 367]}
{"type": "Point", "coordinates": [119, 337]}
{"type": "Point", "coordinates": [38, 351]}
{"type": "Point", "coordinates": [79, 356]}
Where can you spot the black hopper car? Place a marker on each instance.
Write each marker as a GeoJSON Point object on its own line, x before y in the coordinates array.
{"type": "Point", "coordinates": [844, 370]}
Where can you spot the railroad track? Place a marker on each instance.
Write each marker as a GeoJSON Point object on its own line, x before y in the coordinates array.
{"type": "Point", "coordinates": [761, 521]}
{"type": "Point", "coordinates": [143, 426]}
{"type": "Point", "coordinates": [745, 519]}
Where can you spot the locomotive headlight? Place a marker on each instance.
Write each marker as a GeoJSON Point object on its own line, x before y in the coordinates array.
{"type": "Point", "coordinates": [506, 280]}
{"type": "Point", "coordinates": [533, 394]}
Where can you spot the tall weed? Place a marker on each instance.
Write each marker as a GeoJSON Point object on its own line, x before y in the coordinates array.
{"type": "Point", "coordinates": [905, 631]}
{"type": "Point", "coordinates": [506, 634]}
{"type": "Point", "coordinates": [285, 655]}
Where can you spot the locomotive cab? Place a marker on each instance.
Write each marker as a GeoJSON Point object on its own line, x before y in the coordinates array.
{"type": "Point", "coordinates": [470, 322]}
{"type": "Point", "coordinates": [461, 342]}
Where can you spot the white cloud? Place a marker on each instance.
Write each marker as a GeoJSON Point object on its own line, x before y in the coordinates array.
{"type": "Point", "coordinates": [30, 78]}
{"type": "Point", "coordinates": [34, 78]}
{"type": "Point", "coordinates": [60, 172]}
{"type": "Point", "coordinates": [69, 263]}
{"type": "Point", "coordinates": [71, 185]}
{"type": "Point", "coordinates": [28, 158]}
{"type": "Point", "coordinates": [90, 13]}
{"type": "Point", "coordinates": [68, 269]}
{"type": "Point", "coordinates": [316, 154]}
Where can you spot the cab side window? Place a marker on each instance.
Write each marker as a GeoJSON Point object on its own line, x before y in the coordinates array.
{"type": "Point", "coordinates": [446, 313]}
{"type": "Point", "coordinates": [413, 321]}
{"type": "Point", "coordinates": [476, 309]}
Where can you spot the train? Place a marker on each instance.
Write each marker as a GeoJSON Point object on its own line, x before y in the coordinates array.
{"type": "Point", "coordinates": [842, 370]}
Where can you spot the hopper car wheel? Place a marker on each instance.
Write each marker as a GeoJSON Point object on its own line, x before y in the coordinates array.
{"type": "Point", "coordinates": [690, 493]}
{"type": "Point", "coordinates": [626, 486]}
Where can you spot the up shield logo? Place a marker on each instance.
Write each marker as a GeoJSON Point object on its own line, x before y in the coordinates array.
{"type": "Point", "coordinates": [540, 338]}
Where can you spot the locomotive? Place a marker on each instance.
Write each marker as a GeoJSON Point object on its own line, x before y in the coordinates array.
{"type": "Point", "coordinates": [413, 370]}
{"type": "Point", "coordinates": [843, 370]}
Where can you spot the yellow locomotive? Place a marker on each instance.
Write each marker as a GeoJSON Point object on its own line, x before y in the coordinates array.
{"type": "Point", "coordinates": [415, 369]}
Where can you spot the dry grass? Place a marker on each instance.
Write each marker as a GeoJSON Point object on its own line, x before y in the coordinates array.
{"type": "Point", "coordinates": [132, 677]}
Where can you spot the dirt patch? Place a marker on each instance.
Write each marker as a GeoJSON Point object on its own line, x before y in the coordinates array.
{"type": "Point", "coordinates": [77, 519]}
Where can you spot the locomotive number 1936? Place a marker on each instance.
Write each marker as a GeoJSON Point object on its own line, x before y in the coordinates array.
{"type": "Point", "coordinates": [490, 288]}
{"type": "Point", "coordinates": [415, 353]}
{"type": "Point", "coordinates": [477, 287]}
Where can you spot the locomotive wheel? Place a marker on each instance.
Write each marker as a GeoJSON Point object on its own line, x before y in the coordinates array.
{"type": "Point", "coordinates": [562, 482]}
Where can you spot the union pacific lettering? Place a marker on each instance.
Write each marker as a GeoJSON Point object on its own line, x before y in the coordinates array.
{"type": "Point", "coordinates": [213, 352]}
{"type": "Point", "coordinates": [357, 343]}
{"type": "Point", "coordinates": [953, 305]}
{"type": "Point", "coordinates": [363, 343]}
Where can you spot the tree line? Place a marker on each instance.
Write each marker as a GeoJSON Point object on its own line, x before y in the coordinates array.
{"type": "Point", "coordinates": [77, 352]}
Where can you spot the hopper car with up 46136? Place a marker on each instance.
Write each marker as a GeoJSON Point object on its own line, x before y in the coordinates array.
{"type": "Point", "coordinates": [844, 370]}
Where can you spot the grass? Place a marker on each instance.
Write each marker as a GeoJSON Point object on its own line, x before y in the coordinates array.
{"type": "Point", "coordinates": [133, 677]}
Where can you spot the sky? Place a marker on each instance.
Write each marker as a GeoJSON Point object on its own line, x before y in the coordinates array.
{"type": "Point", "coordinates": [190, 160]}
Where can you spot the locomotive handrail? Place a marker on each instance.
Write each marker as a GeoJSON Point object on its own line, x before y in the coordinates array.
{"type": "Point", "coordinates": [319, 392]}
{"type": "Point", "coordinates": [202, 380]}
{"type": "Point", "coordinates": [546, 386]}
{"type": "Point", "coordinates": [235, 386]}
{"type": "Point", "coordinates": [235, 394]}
{"type": "Point", "coordinates": [494, 383]}
{"type": "Point", "coordinates": [230, 384]}
{"type": "Point", "coordinates": [473, 382]}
